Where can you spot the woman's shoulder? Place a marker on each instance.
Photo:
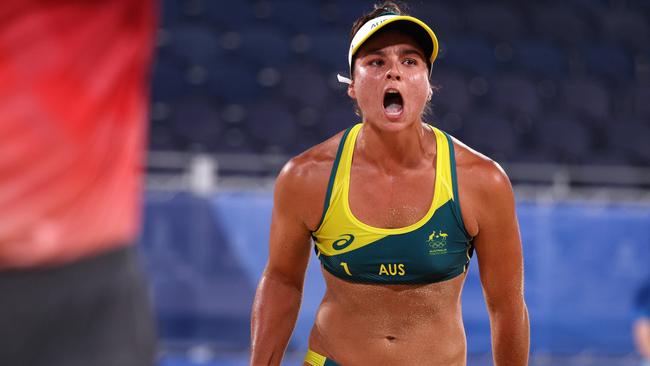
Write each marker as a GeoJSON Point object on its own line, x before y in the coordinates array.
{"type": "Point", "coordinates": [483, 186]}
{"type": "Point", "coordinates": [477, 167]}
{"type": "Point", "coordinates": [301, 186]}
{"type": "Point", "coordinates": [312, 163]}
{"type": "Point", "coordinates": [302, 182]}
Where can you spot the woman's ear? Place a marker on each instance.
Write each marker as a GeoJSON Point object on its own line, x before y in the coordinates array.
{"type": "Point", "coordinates": [430, 95]}
{"type": "Point", "coordinates": [351, 92]}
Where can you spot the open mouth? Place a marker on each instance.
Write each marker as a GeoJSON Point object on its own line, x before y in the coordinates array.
{"type": "Point", "coordinates": [393, 102]}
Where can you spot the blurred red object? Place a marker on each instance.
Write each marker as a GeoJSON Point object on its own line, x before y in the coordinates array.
{"type": "Point", "coordinates": [73, 111]}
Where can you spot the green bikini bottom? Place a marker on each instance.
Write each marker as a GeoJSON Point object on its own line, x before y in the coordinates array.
{"type": "Point", "coordinates": [316, 359]}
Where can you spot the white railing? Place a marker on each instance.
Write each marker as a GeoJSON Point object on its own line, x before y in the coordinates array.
{"type": "Point", "coordinates": [208, 173]}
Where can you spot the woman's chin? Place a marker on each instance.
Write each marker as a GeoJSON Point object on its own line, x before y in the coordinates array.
{"type": "Point", "coordinates": [394, 121]}
{"type": "Point", "coordinates": [391, 127]}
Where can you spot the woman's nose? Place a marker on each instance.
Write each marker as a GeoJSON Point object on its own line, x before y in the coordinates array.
{"type": "Point", "coordinates": [391, 74]}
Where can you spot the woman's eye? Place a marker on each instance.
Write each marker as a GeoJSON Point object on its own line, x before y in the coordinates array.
{"type": "Point", "coordinates": [410, 61]}
{"type": "Point", "coordinates": [376, 62]}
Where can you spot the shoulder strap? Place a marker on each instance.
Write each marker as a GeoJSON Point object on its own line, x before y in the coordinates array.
{"type": "Point", "coordinates": [335, 166]}
{"type": "Point", "coordinates": [454, 183]}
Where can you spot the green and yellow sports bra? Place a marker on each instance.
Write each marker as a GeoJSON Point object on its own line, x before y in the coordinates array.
{"type": "Point", "coordinates": [436, 248]}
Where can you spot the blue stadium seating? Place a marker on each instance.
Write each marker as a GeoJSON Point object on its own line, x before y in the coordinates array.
{"type": "Point", "coordinates": [580, 60]}
{"type": "Point", "coordinates": [264, 46]}
{"type": "Point", "coordinates": [608, 61]}
{"type": "Point", "coordinates": [235, 140]}
{"type": "Point", "coordinates": [514, 93]}
{"type": "Point", "coordinates": [330, 49]}
{"type": "Point", "coordinates": [567, 140]}
{"type": "Point", "coordinates": [161, 137]}
{"type": "Point", "coordinates": [169, 81]}
{"type": "Point", "coordinates": [587, 97]}
{"type": "Point", "coordinates": [632, 138]}
{"type": "Point", "coordinates": [273, 125]}
{"type": "Point", "coordinates": [640, 97]}
{"type": "Point", "coordinates": [347, 11]}
{"type": "Point", "coordinates": [497, 21]}
{"type": "Point", "coordinates": [304, 84]}
{"type": "Point", "coordinates": [470, 54]}
{"type": "Point", "coordinates": [234, 15]}
{"type": "Point", "coordinates": [453, 93]}
{"type": "Point", "coordinates": [627, 28]}
{"type": "Point", "coordinates": [296, 15]}
{"type": "Point", "coordinates": [491, 134]}
{"type": "Point", "coordinates": [171, 12]}
{"type": "Point", "coordinates": [236, 83]}
{"type": "Point", "coordinates": [560, 23]}
{"type": "Point", "coordinates": [194, 44]}
{"type": "Point", "coordinates": [197, 121]}
{"type": "Point", "coordinates": [540, 58]}
{"type": "Point", "coordinates": [443, 17]}
{"type": "Point", "coordinates": [337, 119]}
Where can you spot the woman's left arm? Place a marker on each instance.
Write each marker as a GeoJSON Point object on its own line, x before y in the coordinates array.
{"type": "Point", "coordinates": [499, 251]}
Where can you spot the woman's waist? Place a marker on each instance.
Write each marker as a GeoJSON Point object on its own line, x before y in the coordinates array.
{"type": "Point", "coordinates": [378, 338]}
{"type": "Point", "coordinates": [387, 319]}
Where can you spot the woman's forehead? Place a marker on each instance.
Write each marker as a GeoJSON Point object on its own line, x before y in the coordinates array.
{"type": "Point", "coordinates": [387, 38]}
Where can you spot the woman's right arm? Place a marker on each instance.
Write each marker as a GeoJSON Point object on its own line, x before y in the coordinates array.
{"type": "Point", "coordinates": [279, 292]}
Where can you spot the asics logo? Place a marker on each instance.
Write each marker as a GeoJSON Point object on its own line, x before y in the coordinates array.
{"type": "Point", "coordinates": [344, 242]}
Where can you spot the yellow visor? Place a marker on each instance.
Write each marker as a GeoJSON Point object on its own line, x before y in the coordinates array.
{"type": "Point", "coordinates": [421, 32]}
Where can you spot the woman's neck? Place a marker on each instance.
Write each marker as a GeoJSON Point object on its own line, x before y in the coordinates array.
{"type": "Point", "coordinates": [393, 151]}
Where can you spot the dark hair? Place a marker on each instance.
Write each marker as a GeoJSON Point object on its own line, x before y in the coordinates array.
{"type": "Point", "coordinates": [383, 8]}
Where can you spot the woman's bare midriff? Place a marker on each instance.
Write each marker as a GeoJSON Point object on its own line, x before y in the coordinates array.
{"type": "Point", "coordinates": [370, 324]}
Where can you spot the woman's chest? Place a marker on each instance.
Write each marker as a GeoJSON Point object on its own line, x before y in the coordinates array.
{"type": "Point", "coordinates": [391, 201]}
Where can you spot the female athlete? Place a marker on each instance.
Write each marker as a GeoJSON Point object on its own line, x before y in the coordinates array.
{"type": "Point", "coordinates": [395, 208]}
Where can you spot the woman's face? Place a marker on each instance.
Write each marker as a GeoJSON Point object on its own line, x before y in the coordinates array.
{"type": "Point", "coordinates": [391, 80]}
